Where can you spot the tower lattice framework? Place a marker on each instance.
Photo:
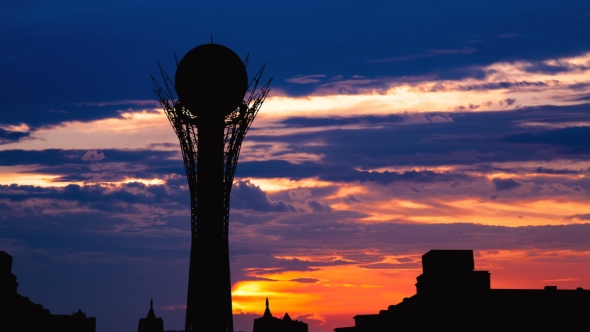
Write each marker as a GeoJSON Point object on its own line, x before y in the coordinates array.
{"type": "Point", "coordinates": [209, 304]}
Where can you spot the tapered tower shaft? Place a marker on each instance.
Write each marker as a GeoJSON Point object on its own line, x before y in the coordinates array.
{"type": "Point", "coordinates": [209, 306]}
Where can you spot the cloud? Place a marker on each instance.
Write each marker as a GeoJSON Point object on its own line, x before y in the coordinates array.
{"type": "Point", "coordinates": [283, 169]}
{"type": "Point", "coordinates": [351, 199]}
{"type": "Point", "coordinates": [65, 167]}
{"type": "Point", "coordinates": [11, 136]}
{"type": "Point", "coordinates": [93, 156]}
{"type": "Point", "coordinates": [429, 53]}
{"type": "Point", "coordinates": [305, 280]}
{"type": "Point", "coordinates": [500, 85]}
{"type": "Point", "coordinates": [555, 67]}
{"type": "Point", "coordinates": [318, 207]}
{"type": "Point", "coordinates": [579, 216]}
{"type": "Point", "coordinates": [505, 184]}
{"type": "Point", "coordinates": [305, 79]}
{"type": "Point", "coordinates": [543, 170]}
{"type": "Point", "coordinates": [265, 264]}
{"type": "Point", "coordinates": [299, 194]}
{"type": "Point", "coordinates": [391, 266]}
{"type": "Point", "coordinates": [248, 196]}
{"type": "Point", "coordinates": [567, 137]}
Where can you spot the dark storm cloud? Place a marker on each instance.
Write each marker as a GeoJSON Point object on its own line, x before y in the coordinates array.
{"type": "Point", "coordinates": [63, 54]}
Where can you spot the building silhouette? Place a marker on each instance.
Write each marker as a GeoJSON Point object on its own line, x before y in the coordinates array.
{"type": "Point", "coordinates": [19, 314]}
{"type": "Point", "coordinates": [451, 296]}
{"type": "Point", "coordinates": [268, 323]}
{"type": "Point", "coordinates": [150, 323]}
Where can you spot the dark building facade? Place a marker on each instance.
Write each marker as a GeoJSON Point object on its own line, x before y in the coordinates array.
{"type": "Point", "coordinates": [451, 296]}
{"type": "Point", "coordinates": [150, 323]}
{"type": "Point", "coordinates": [268, 323]}
{"type": "Point", "coordinates": [19, 314]}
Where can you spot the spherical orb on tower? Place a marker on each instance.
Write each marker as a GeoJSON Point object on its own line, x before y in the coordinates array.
{"type": "Point", "coordinates": [211, 81]}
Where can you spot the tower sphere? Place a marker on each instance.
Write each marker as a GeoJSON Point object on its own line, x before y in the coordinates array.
{"type": "Point", "coordinates": [211, 81]}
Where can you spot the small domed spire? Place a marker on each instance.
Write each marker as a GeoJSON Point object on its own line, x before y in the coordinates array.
{"type": "Point", "coordinates": [151, 314]}
{"type": "Point", "coordinates": [267, 311]}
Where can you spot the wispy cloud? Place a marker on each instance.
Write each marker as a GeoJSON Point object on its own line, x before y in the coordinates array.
{"type": "Point", "coordinates": [429, 53]}
{"type": "Point", "coordinates": [305, 79]}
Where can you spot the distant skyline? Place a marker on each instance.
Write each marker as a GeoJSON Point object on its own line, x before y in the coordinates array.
{"type": "Point", "coordinates": [391, 129]}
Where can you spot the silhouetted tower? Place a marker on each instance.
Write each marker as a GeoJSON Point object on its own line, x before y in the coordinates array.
{"type": "Point", "coordinates": [210, 118]}
{"type": "Point", "coordinates": [151, 323]}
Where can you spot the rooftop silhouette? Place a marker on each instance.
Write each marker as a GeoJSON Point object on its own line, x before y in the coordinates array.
{"type": "Point", "coordinates": [19, 314]}
{"type": "Point", "coordinates": [268, 323]}
{"type": "Point", "coordinates": [451, 296]}
{"type": "Point", "coordinates": [151, 323]}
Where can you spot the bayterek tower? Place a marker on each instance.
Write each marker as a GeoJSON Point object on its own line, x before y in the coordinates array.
{"type": "Point", "coordinates": [214, 107]}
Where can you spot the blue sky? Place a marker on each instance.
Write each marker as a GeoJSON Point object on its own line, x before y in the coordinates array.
{"type": "Point", "coordinates": [391, 129]}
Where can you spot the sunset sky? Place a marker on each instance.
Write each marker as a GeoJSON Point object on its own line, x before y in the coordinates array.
{"type": "Point", "coordinates": [392, 128]}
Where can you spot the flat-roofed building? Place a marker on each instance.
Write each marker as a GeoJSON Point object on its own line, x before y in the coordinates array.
{"type": "Point", "coordinates": [452, 296]}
